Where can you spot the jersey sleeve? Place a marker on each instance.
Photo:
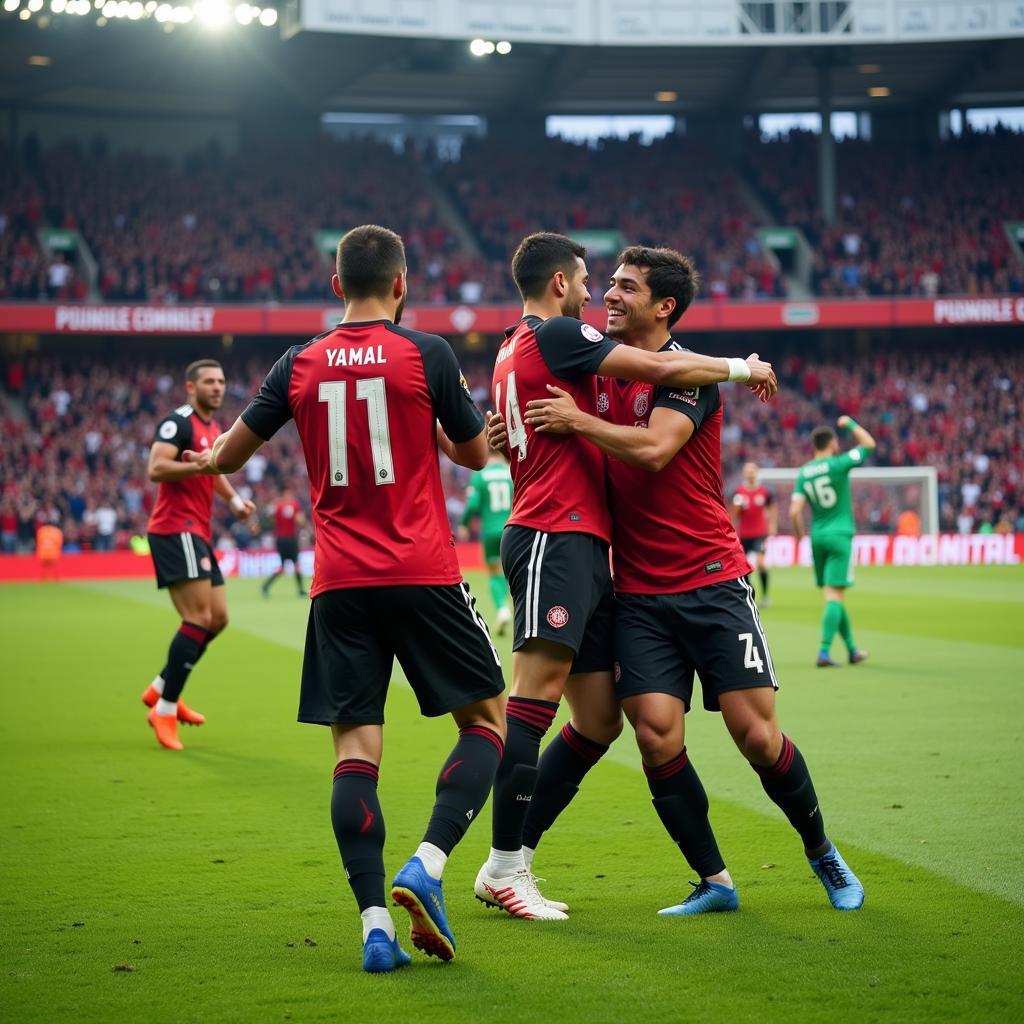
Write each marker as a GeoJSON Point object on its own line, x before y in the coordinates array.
{"type": "Point", "coordinates": [454, 407]}
{"type": "Point", "coordinates": [176, 430]}
{"type": "Point", "coordinates": [269, 411]}
{"type": "Point", "coordinates": [697, 403]}
{"type": "Point", "coordinates": [851, 460]}
{"type": "Point", "coordinates": [571, 348]}
{"type": "Point", "coordinates": [472, 499]}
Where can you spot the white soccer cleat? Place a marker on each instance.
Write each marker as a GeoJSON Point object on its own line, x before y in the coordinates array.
{"type": "Point", "coordinates": [518, 895]}
{"type": "Point", "coordinates": [503, 620]}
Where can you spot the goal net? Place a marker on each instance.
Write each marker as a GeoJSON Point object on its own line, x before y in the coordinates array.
{"type": "Point", "coordinates": [880, 496]}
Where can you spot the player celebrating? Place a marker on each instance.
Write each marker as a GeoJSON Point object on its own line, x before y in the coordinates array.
{"type": "Point", "coordinates": [489, 498]}
{"type": "Point", "coordinates": [366, 398]}
{"type": "Point", "coordinates": [824, 484]}
{"type": "Point", "coordinates": [288, 517]}
{"type": "Point", "coordinates": [757, 517]}
{"type": "Point", "coordinates": [683, 605]}
{"type": "Point", "coordinates": [181, 543]}
{"type": "Point", "coordinates": [555, 552]}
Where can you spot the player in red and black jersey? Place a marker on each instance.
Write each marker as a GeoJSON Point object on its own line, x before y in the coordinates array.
{"type": "Point", "coordinates": [757, 517]}
{"type": "Point", "coordinates": [181, 543]}
{"type": "Point", "coordinates": [372, 402]}
{"type": "Point", "coordinates": [288, 517]}
{"type": "Point", "coordinates": [683, 605]}
{"type": "Point", "coordinates": [554, 552]}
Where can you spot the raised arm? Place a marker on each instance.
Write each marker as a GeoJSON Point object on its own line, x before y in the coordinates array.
{"type": "Point", "coordinates": [796, 515]}
{"type": "Point", "coordinates": [861, 437]}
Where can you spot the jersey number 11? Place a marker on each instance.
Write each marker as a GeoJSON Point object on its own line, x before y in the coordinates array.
{"type": "Point", "coordinates": [371, 391]}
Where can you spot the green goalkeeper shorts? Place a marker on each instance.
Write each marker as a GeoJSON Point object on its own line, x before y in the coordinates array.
{"type": "Point", "coordinates": [492, 547]}
{"type": "Point", "coordinates": [833, 560]}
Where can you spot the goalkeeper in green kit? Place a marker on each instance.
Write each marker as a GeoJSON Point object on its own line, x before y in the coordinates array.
{"type": "Point", "coordinates": [824, 485]}
{"type": "Point", "coordinates": [489, 497]}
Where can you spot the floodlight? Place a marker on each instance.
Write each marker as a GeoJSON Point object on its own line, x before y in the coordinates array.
{"type": "Point", "coordinates": [504, 47]}
{"type": "Point", "coordinates": [478, 47]}
{"type": "Point", "coordinates": [212, 13]}
{"type": "Point", "coordinates": [268, 17]}
{"type": "Point", "coordinates": [11, 5]}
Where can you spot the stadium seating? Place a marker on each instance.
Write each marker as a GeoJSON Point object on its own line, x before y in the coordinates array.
{"type": "Point", "coordinates": [242, 228]}
{"type": "Point", "coordinates": [77, 436]}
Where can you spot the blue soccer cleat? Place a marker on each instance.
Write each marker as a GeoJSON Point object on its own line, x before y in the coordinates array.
{"type": "Point", "coordinates": [381, 954]}
{"type": "Point", "coordinates": [422, 897]}
{"type": "Point", "coordinates": [706, 898]}
{"type": "Point", "coordinates": [842, 885]}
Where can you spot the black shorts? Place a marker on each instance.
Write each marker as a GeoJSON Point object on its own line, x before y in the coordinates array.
{"type": "Point", "coordinates": [753, 545]}
{"type": "Point", "coordinates": [715, 631]}
{"type": "Point", "coordinates": [561, 588]}
{"type": "Point", "coordinates": [183, 556]}
{"type": "Point", "coordinates": [288, 549]}
{"type": "Point", "coordinates": [355, 634]}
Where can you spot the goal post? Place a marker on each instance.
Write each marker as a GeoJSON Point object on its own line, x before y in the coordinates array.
{"type": "Point", "coordinates": [880, 494]}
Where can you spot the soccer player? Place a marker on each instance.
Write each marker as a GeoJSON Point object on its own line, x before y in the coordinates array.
{"type": "Point", "coordinates": [372, 402]}
{"type": "Point", "coordinates": [683, 605]}
{"type": "Point", "coordinates": [181, 544]}
{"type": "Point", "coordinates": [489, 498]}
{"type": "Point", "coordinates": [554, 551]}
{"type": "Point", "coordinates": [288, 517]}
{"type": "Point", "coordinates": [756, 517]}
{"type": "Point", "coordinates": [824, 485]}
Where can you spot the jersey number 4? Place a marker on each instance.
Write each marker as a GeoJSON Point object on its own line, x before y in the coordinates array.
{"type": "Point", "coordinates": [371, 391]}
{"type": "Point", "coordinates": [513, 417]}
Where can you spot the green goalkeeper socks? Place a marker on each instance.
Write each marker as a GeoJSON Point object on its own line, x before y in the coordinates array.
{"type": "Point", "coordinates": [831, 623]}
{"type": "Point", "coordinates": [845, 631]}
{"type": "Point", "coordinates": [499, 591]}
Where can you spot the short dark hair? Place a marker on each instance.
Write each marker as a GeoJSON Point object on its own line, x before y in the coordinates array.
{"type": "Point", "coordinates": [369, 259]}
{"type": "Point", "coordinates": [669, 275]}
{"type": "Point", "coordinates": [822, 437]}
{"type": "Point", "coordinates": [539, 257]}
{"type": "Point", "coordinates": [192, 370]}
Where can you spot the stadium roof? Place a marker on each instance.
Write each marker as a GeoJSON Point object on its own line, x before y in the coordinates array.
{"type": "Point", "coordinates": [136, 67]}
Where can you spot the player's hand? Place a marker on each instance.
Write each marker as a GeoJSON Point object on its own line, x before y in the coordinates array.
{"type": "Point", "coordinates": [497, 435]}
{"type": "Point", "coordinates": [843, 422]}
{"type": "Point", "coordinates": [242, 507]}
{"type": "Point", "coordinates": [200, 459]}
{"type": "Point", "coordinates": [762, 380]}
{"type": "Point", "coordinates": [552, 415]}
{"type": "Point", "coordinates": [462, 533]}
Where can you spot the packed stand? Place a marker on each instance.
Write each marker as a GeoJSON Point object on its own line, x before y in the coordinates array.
{"type": "Point", "coordinates": [962, 413]}
{"type": "Point", "coordinates": [908, 221]}
{"type": "Point", "coordinates": [673, 192]}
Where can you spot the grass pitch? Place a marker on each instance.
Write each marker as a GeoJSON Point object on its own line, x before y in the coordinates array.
{"type": "Point", "coordinates": [140, 885]}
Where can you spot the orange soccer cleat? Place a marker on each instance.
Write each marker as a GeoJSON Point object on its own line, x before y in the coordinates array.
{"type": "Point", "coordinates": [185, 714]}
{"type": "Point", "coordinates": [166, 729]}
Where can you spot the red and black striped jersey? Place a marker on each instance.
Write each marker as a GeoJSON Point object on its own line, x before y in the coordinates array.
{"type": "Point", "coordinates": [558, 479]}
{"type": "Point", "coordinates": [365, 398]}
{"type": "Point", "coordinates": [185, 506]}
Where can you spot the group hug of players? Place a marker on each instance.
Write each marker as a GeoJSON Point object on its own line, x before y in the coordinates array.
{"type": "Point", "coordinates": [373, 402]}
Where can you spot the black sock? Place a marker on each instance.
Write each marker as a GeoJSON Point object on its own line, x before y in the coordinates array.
{"type": "Point", "coordinates": [359, 829]}
{"type": "Point", "coordinates": [186, 648]}
{"type": "Point", "coordinates": [567, 758]}
{"type": "Point", "coordinates": [763, 573]}
{"type": "Point", "coordinates": [270, 580]}
{"type": "Point", "coordinates": [788, 783]}
{"type": "Point", "coordinates": [210, 637]}
{"type": "Point", "coordinates": [682, 805]}
{"type": "Point", "coordinates": [463, 785]}
{"type": "Point", "coordinates": [528, 720]}
{"type": "Point", "coordinates": [298, 580]}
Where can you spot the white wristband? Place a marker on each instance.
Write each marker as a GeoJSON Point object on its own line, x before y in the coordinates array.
{"type": "Point", "coordinates": [739, 370]}
{"type": "Point", "coordinates": [237, 503]}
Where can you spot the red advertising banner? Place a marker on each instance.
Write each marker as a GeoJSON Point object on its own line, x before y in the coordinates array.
{"type": "Point", "coordinates": [870, 549]}
{"type": "Point", "coordinates": [305, 321]}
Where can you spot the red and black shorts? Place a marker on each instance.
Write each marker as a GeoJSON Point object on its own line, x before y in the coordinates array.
{"type": "Point", "coordinates": [288, 549]}
{"type": "Point", "coordinates": [661, 640]}
{"type": "Point", "coordinates": [354, 636]}
{"type": "Point", "coordinates": [183, 556]}
{"type": "Point", "coordinates": [561, 588]}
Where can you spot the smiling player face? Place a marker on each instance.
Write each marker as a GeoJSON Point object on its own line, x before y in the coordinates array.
{"type": "Point", "coordinates": [631, 308]}
{"type": "Point", "coordinates": [577, 294]}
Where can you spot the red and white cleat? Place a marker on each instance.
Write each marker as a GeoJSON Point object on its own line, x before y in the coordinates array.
{"type": "Point", "coordinates": [518, 895]}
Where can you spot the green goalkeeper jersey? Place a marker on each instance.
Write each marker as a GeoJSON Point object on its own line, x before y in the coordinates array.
{"type": "Point", "coordinates": [825, 483]}
{"type": "Point", "coordinates": [489, 496]}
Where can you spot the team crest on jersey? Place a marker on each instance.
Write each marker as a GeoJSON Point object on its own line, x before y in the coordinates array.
{"type": "Point", "coordinates": [641, 404]}
{"type": "Point", "coordinates": [205, 564]}
{"type": "Point", "coordinates": [168, 429]}
{"type": "Point", "coordinates": [590, 333]}
{"type": "Point", "coordinates": [465, 384]}
{"type": "Point", "coordinates": [557, 617]}
{"type": "Point", "coordinates": [603, 402]}
{"type": "Point", "coordinates": [204, 442]}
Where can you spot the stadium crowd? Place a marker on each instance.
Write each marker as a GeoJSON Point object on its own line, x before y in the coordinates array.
{"type": "Point", "coordinates": [244, 227]}
{"type": "Point", "coordinates": [907, 222]}
{"type": "Point", "coordinates": [77, 437]}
